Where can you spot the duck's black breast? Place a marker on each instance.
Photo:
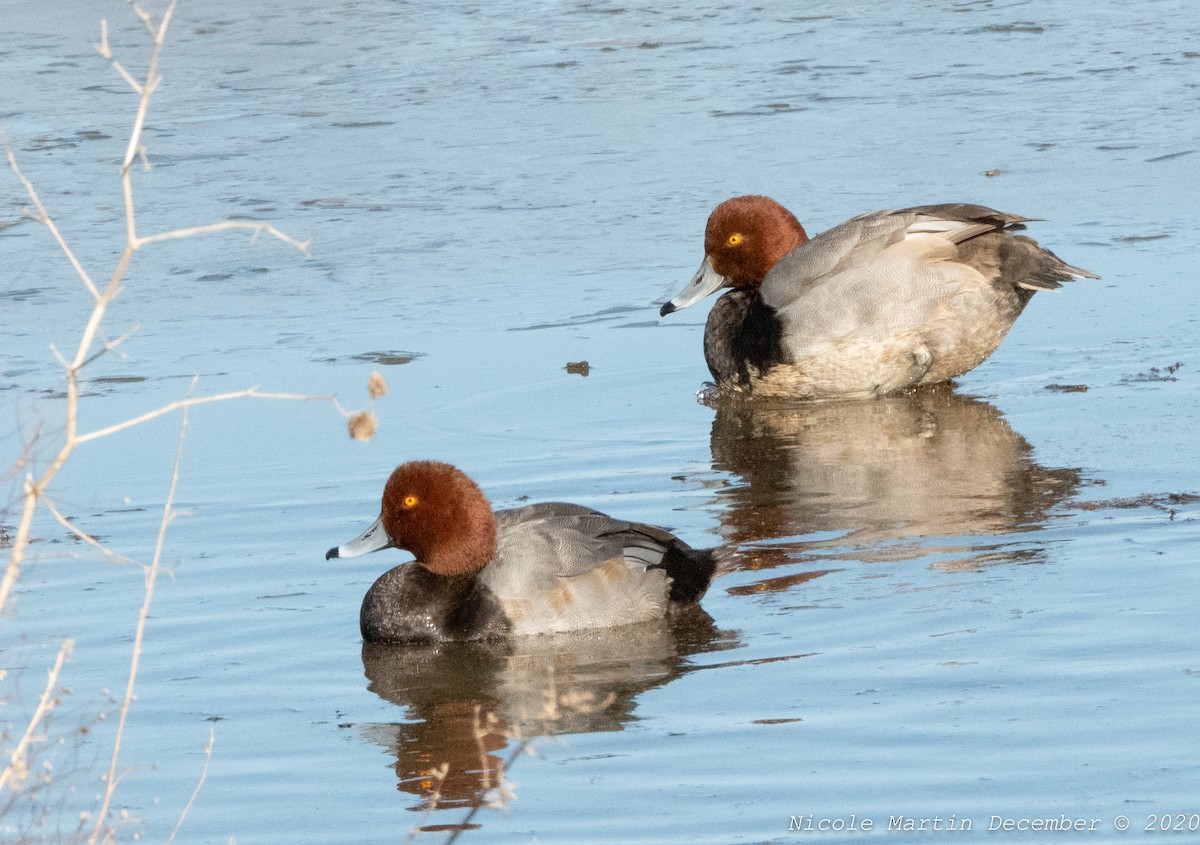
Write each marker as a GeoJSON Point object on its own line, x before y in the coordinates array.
{"type": "Point", "coordinates": [410, 604]}
{"type": "Point", "coordinates": [742, 338]}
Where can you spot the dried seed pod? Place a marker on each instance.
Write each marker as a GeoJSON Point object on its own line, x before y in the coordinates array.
{"type": "Point", "coordinates": [362, 425]}
{"type": "Point", "coordinates": [377, 385]}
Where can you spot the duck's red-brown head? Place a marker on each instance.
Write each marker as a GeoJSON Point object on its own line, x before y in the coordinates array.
{"type": "Point", "coordinates": [435, 511]}
{"type": "Point", "coordinates": [744, 239]}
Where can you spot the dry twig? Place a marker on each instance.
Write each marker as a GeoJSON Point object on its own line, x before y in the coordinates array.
{"type": "Point", "coordinates": [16, 761]}
{"type": "Point", "coordinates": [34, 488]}
{"type": "Point", "coordinates": [139, 635]}
{"type": "Point", "coordinates": [208, 749]}
{"type": "Point", "coordinates": [80, 533]}
{"type": "Point", "coordinates": [435, 797]}
{"type": "Point", "coordinates": [92, 344]}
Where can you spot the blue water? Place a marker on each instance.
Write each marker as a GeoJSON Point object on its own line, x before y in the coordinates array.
{"type": "Point", "coordinates": [963, 604]}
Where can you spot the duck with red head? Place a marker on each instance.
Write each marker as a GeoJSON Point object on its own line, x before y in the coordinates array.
{"type": "Point", "coordinates": [543, 568]}
{"type": "Point", "coordinates": [879, 304]}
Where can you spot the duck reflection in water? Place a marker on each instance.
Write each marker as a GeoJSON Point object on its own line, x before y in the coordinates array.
{"type": "Point", "coordinates": [466, 702]}
{"type": "Point", "coordinates": [880, 480]}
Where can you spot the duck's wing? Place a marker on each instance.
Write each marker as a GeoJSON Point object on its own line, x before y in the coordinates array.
{"type": "Point", "coordinates": [557, 539]}
{"type": "Point", "coordinates": [853, 246]}
{"type": "Point", "coordinates": [552, 540]}
{"type": "Point", "coordinates": [563, 568]}
{"type": "Point", "coordinates": [538, 544]}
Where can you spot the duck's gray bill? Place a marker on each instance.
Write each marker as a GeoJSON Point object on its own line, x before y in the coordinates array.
{"type": "Point", "coordinates": [706, 281]}
{"type": "Point", "coordinates": [371, 540]}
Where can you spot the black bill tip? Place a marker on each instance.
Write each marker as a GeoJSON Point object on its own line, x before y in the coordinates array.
{"type": "Point", "coordinates": [332, 553]}
{"type": "Point", "coordinates": [666, 309]}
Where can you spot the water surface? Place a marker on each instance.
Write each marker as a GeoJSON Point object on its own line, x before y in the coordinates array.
{"type": "Point", "coordinates": [963, 603]}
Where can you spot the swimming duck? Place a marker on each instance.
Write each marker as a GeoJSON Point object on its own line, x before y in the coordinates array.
{"type": "Point", "coordinates": [883, 302]}
{"type": "Point", "coordinates": [542, 568]}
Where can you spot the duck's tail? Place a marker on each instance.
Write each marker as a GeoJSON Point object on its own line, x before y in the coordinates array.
{"type": "Point", "coordinates": [1029, 265]}
{"type": "Point", "coordinates": [692, 570]}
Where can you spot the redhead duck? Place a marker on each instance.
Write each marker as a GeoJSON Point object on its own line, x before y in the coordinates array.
{"type": "Point", "coordinates": [543, 568]}
{"type": "Point", "coordinates": [882, 302]}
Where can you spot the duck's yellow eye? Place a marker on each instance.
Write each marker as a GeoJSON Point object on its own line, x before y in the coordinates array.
{"type": "Point", "coordinates": [410, 501]}
{"type": "Point", "coordinates": [735, 239]}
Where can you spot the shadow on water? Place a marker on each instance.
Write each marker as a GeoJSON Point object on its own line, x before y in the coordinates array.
{"type": "Point", "coordinates": [539, 686]}
{"type": "Point", "coordinates": [919, 475]}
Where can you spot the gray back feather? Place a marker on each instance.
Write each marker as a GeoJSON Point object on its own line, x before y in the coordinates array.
{"type": "Point", "coordinates": [539, 543]}
{"type": "Point", "coordinates": [861, 239]}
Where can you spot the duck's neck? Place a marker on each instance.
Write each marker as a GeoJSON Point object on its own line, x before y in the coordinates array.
{"type": "Point", "coordinates": [465, 549]}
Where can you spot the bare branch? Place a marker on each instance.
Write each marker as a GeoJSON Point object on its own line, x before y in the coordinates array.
{"type": "Point", "coordinates": [208, 749]}
{"type": "Point", "coordinates": [151, 82]}
{"type": "Point", "coordinates": [66, 365]}
{"type": "Point", "coordinates": [519, 749]}
{"type": "Point", "coordinates": [111, 289]}
{"type": "Point", "coordinates": [485, 766]}
{"type": "Point", "coordinates": [151, 577]}
{"type": "Point", "coordinates": [143, 16]}
{"type": "Point", "coordinates": [25, 457]}
{"type": "Point", "coordinates": [257, 228]}
{"type": "Point", "coordinates": [130, 215]}
{"type": "Point", "coordinates": [17, 758]}
{"type": "Point", "coordinates": [137, 86]}
{"type": "Point", "coordinates": [20, 540]}
{"type": "Point", "coordinates": [34, 488]}
{"type": "Point", "coordinates": [109, 346]}
{"type": "Point", "coordinates": [435, 798]}
{"type": "Point", "coordinates": [49, 222]}
{"type": "Point", "coordinates": [103, 49]}
{"type": "Point", "coordinates": [87, 538]}
{"type": "Point", "coordinates": [251, 392]}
